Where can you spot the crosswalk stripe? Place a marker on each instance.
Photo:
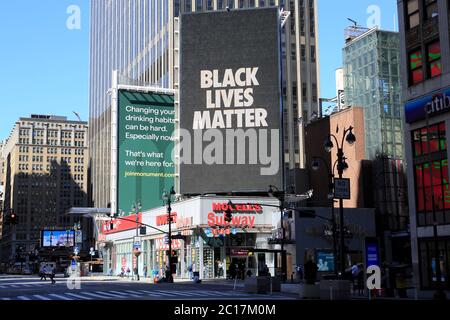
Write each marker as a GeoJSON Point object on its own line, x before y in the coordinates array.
{"type": "Point", "coordinates": [195, 293]}
{"type": "Point", "coordinates": [96, 295]}
{"type": "Point", "coordinates": [59, 296]}
{"type": "Point", "coordinates": [78, 296]}
{"type": "Point", "coordinates": [40, 297]}
{"type": "Point", "coordinates": [219, 293]}
{"type": "Point", "coordinates": [164, 293]}
{"type": "Point", "coordinates": [150, 293]}
{"type": "Point", "coordinates": [212, 293]}
{"type": "Point", "coordinates": [23, 298]}
{"type": "Point", "coordinates": [133, 294]}
{"type": "Point", "coordinates": [113, 295]}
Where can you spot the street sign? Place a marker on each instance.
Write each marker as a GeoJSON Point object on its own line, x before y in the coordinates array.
{"type": "Point", "coordinates": [137, 246]}
{"type": "Point", "coordinates": [78, 236]}
{"type": "Point", "coordinates": [342, 188]}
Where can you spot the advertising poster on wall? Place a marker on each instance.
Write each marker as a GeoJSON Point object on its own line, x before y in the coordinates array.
{"type": "Point", "coordinates": [230, 101]}
{"type": "Point", "coordinates": [144, 149]}
{"type": "Point", "coordinates": [325, 261]}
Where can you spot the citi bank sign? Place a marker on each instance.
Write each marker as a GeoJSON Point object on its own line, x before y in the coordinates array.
{"type": "Point", "coordinates": [428, 106]}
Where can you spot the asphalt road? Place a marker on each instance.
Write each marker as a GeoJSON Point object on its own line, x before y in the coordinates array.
{"type": "Point", "coordinates": [18, 287]}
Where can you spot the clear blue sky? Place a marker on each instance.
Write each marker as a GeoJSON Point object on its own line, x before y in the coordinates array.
{"type": "Point", "coordinates": [44, 65]}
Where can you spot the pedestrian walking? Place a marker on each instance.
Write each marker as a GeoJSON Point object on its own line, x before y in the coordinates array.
{"type": "Point", "coordinates": [220, 268]}
{"type": "Point", "coordinates": [42, 273]}
{"type": "Point", "coordinates": [144, 270]}
{"type": "Point", "coordinates": [52, 275]}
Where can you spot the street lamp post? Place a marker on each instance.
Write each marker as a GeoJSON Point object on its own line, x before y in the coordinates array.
{"type": "Point", "coordinates": [275, 192]}
{"type": "Point", "coordinates": [315, 167]}
{"type": "Point", "coordinates": [341, 166]}
{"type": "Point", "coordinates": [167, 197]}
{"type": "Point", "coordinates": [137, 208]}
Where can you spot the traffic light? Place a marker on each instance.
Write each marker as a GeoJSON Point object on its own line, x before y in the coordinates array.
{"type": "Point", "coordinates": [13, 218]}
{"type": "Point", "coordinates": [228, 214]}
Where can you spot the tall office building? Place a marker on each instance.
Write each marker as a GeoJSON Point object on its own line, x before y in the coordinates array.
{"type": "Point", "coordinates": [371, 60]}
{"type": "Point", "coordinates": [140, 39]}
{"type": "Point", "coordinates": [372, 81]}
{"type": "Point", "coordinates": [45, 172]}
{"type": "Point", "coordinates": [425, 68]}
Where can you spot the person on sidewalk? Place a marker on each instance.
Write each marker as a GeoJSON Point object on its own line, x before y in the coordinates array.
{"type": "Point", "coordinates": [52, 275]}
{"type": "Point", "coordinates": [144, 270]}
{"type": "Point", "coordinates": [43, 272]}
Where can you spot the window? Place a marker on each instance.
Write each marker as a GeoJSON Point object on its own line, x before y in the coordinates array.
{"type": "Point", "coordinates": [415, 67]}
{"type": "Point", "coordinates": [176, 7]}
{"type": "Point", "coordinates": [434, 59]}
{"type": "Point", "coordinates": [241, 3]}
{"type": "Point", "coordinates": [427, 257]}
{"type": "Point", "coordinates": [210, 5]}
{"type": "Point", "coordinates": [304, 92]}
{"type": "Point", "coordinates": [219, 4]}
{"type": "Point", "coordinates": [188, 6]}
{"type": "Point", "coordinates": [251, 3]}
{"type": "Point", "coordinates": [431, 9]}
{"type": "Point", "coordinates": [436, 135]}
{"type": "Point", "coordinates": [431, 176]}
{"type": "Point", "coordinates": [412, 13]}
{"type": "Point", "coordinates": [314, 92]}
{"type": "Point", "coordinates": [230, 4]}
{"type": "Point", "coordinates": [313, 53]}
{"type": "Point", "coordinates": [198, 5]}
{"type": "Point", "coordinates": [303, 52]}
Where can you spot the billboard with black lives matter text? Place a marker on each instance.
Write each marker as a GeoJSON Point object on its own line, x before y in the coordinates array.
{"type": "Point", "coordinates": [145, 142]}
{"type": "Point", "coordinates": [230, 102]}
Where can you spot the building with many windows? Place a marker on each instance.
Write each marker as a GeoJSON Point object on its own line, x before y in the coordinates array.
{"type": "Point", "coordinates": [140, 39]}
{"type": "Point", "coordinates": [372, 81]}
{"type": "Point", "coordinates": [45, 172]}
{"type": "Point", "coordinates": [425, 68]}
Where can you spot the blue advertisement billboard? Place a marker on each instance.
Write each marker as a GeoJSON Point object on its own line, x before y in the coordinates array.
{"type": "Point", "coordinates": [58, 238]}
{"type": "Point", "coordinates": [325, 261]}
{"type": "Point", "coordinates": [435, 103]}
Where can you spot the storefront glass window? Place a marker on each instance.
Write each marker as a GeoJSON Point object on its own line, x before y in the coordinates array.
{"type": "Point", "coordinates": [428, 266]}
